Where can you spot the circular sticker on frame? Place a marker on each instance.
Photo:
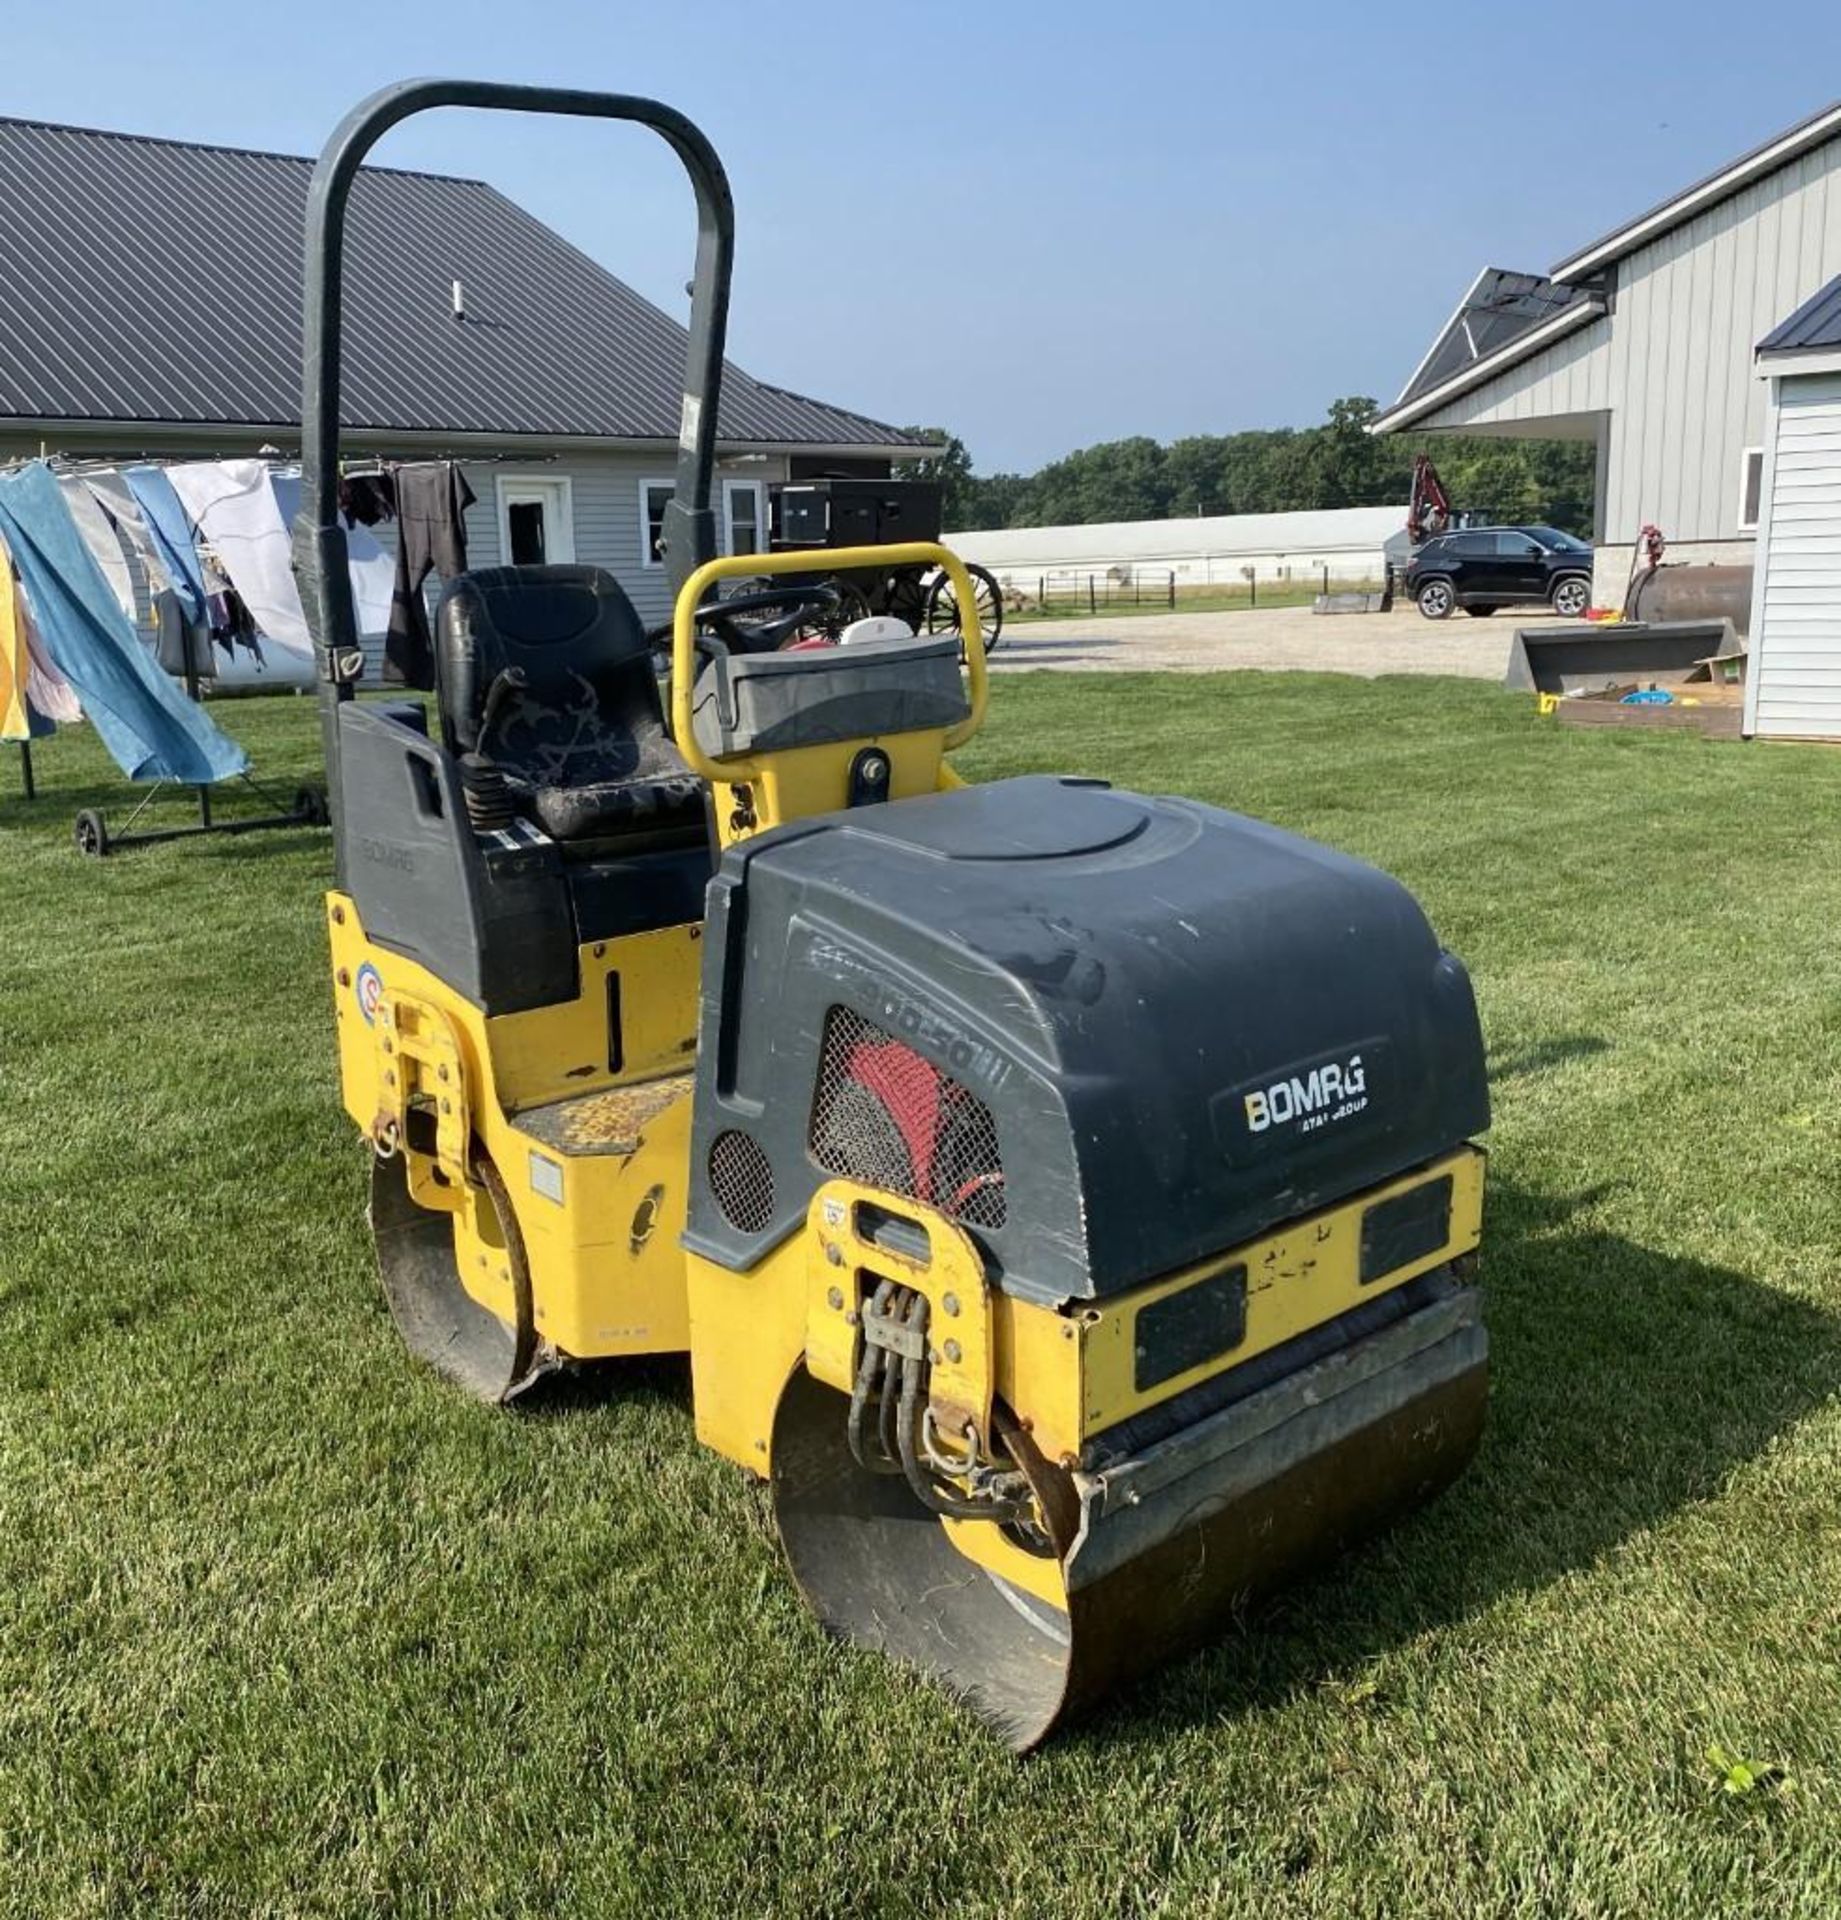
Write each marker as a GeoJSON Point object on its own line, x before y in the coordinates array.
{"type": "Point", "coordinates": [369, 991]}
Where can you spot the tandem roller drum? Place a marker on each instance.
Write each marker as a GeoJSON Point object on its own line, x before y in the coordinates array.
{"type": "Point", "coordinates": [1170, 1542]}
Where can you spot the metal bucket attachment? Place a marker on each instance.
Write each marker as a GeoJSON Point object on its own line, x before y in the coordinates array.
{"type": "Point", "coordinates": [1172, 1540]}
{"type": "Point", "coordinates": [439, 1320]}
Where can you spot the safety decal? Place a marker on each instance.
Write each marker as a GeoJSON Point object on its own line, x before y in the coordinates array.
{"type": "Point", "coordinates": [368, 989]}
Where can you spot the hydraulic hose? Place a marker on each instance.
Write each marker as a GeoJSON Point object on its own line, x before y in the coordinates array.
{"type": "Point", "coordinates": [924, 1487]}
{"type": "Point", "coordinates": [872, 1382]}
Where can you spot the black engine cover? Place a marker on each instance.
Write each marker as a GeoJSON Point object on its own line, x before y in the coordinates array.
{"type": "Point", "coordinates": [1185, 1026]}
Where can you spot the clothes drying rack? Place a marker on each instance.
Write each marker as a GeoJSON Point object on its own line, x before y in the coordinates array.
{"type": "Point", "coordinates": [91, 832]}
{"type": "Point", "coordinates": [308, 806]}
{"type": "Point", "coordinates": [96, 840]}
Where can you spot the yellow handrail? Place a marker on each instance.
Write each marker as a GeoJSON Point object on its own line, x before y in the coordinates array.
{"type": "Point", "coordinates": [912, 553]}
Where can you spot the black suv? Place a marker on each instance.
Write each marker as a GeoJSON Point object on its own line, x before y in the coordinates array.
{"type": "Point", "coordinates": [1484, 568]}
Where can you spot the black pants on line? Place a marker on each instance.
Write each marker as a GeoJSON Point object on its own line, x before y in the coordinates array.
{"type": "Point", "coordinates": [431, 535]}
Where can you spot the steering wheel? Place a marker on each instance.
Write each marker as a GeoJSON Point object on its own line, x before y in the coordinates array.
{"type": "Point", "coordinates": [729, 621]}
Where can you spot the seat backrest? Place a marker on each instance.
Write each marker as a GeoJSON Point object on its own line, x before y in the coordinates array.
{"type": "Point", "coordinates": [588, 710]}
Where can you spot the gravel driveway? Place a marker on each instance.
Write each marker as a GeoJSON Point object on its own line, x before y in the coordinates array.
{"type": "Point", "coordinates": [1294, 638]}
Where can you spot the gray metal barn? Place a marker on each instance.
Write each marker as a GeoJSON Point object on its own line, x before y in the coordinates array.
{"type": "Point", "coordinates": [1642, 342]}
{"type": "Point", "coordinates": [1794, 686]}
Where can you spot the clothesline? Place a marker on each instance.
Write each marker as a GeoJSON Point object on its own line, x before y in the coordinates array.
{"type": "Point", "coordinates": [201, 551]}
{"type": "Point", "coordinates": [349, 465]}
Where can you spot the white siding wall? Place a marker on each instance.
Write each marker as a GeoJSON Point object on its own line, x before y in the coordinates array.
{"type": "Point", "coordinates": [1672, 365]}
{"type": "Point", "coordinates": [605, 494]}
{"type": "Point", "coordinates": [1797, 637]}
{"type": "Point", "coordinates": [1569, 378]}
{"type": "Point", "coordinates": [606, 498]}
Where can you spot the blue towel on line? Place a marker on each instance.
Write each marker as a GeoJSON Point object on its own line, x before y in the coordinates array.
{"type": "Point", "coordinates": [170, 529]}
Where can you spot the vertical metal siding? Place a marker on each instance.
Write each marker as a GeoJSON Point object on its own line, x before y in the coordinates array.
{"type": "Point", "coordinates": [1673, 363]}
{"type": "Point", "coordinates": [1798, 644]}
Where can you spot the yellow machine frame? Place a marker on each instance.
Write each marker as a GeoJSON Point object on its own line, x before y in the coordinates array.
{"type": "Point", "coordinates": [601, 1212]}
{"type": "Point", "coordinates": [775, 788]}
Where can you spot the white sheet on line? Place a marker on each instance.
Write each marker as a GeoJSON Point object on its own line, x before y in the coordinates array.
{"type": "Point", "coordinates": [122, 507]}
{"type": "Point", "coordinates": [373, 571]}
{"type": "Point", "coordinates": [234, 507]}
{"type": "Point", "coordinates": [373, 579]}
{"type": "Point", "coordinates": [101, 539]}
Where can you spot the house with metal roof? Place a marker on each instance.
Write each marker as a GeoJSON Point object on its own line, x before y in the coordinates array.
{"type": "Point", "coordinates": [1642, 342]}
{"type": "Point", "coordinates": [150, 299]}
{"type": "Point", "coordinates": [1794, 683]}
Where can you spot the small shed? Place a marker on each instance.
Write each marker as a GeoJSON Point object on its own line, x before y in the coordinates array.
{"type": "Point", "coordinates": [1794, 687]}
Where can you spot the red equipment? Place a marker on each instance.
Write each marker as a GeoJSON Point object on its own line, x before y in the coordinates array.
{"type": "Point", "coordinates": [1430, 510]}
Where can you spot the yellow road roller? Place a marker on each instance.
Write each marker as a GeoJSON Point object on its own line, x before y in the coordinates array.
{"type": "Point", "coordinates": [1065, 1197]}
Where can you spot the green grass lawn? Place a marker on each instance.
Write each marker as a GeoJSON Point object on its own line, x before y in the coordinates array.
{"type": "Point", "coordinates": [288, 1627]}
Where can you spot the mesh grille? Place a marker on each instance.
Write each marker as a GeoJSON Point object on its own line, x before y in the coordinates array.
{"type": "Point", "coordinates": [741, 1177]}
{"type": "Point", "coordinates": [887, 1117]}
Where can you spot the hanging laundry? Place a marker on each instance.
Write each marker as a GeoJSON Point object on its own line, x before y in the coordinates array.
{"type": "Point", "coordinates": [48, 693]}
{"type": "Point", "coordinates": [230, 622]}
{"type": "Point", "coordinates": [233, 505]}
{"type": "Point", "coordinates": [151, 730]}
{"type": "Point", "coordinates": [373, 572]}
{"type": "Point", "coordinates": [171, 533]}
{"type": "Point", "coordinates": [18, 721]}
{"type": "Point", "coordinates": [431, 502]}
{"type": "Point", "coordinates": [367, 498]}
{"type": "Point", "coordinates": [183, 646]}
{"type": "Point", "coordinates": [105, 546]}
{"type": "Point", "coordinates": [113, 497]}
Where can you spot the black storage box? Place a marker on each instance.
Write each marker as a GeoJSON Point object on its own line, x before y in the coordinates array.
{"type": "Point", "coordinates": [857, 513]}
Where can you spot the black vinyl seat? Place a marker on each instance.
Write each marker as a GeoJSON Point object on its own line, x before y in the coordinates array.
{"type": "Point", "coordinates": [545, 672]}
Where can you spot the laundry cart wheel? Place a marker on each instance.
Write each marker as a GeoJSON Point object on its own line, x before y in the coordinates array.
{"type": "Point", "coordinates": [91, 834]}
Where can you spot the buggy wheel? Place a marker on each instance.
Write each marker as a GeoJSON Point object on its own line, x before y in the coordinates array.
{"type": "Point", "coordinates": [905, 598]}
{"type": "Point", "coordinates": [828, 627]}
{"type": "Point", "coordinates": [943, 606]}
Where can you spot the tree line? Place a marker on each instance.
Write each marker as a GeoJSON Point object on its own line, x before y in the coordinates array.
{"type": "Point", "coordinates": [1280, 470]}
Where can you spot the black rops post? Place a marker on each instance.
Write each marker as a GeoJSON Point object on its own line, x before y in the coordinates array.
{"type": "Point", "coordinates": [689, 533]}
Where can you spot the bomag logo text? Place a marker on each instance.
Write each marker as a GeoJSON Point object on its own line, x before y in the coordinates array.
{"type": "Point", "coordinates": [1313, 1100]}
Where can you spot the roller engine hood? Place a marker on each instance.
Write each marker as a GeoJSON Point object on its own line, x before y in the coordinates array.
{"type": "Point", "coordinates": [1181, 1026]}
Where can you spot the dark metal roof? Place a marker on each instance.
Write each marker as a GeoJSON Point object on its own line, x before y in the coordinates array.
{"type": "Point", "coordinates": [1498, 309]}
{"type": "Point", "coordinates": [1815, 325]}
{"type": "Point", "coordinates": [156, 281]}
{"type": "Point", "coordinates": [1709, 191]}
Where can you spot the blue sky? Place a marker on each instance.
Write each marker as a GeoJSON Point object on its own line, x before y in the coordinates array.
{"type": "Point", "coordinates": [1041, 225]}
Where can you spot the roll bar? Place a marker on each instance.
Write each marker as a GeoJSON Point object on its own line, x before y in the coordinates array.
{"type": "Point", "coordinates": [319, 547]}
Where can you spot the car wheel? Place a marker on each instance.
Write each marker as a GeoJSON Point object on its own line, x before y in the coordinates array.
{"type": "Point", "coordinates": [1481, 611]}
{"type": "Point", "coordinates": [1436, 599]}
{"type": "Point", "coordinates": [1572, 596]}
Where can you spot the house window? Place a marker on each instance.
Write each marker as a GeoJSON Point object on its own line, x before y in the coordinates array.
{"type": "Point", "coordinates": [654, 497]}
{"type": "Point", "coordinates": [536, 519]}
{"type": "Point", "coordinates": [744, 516]}
{"type": "Point", "coordinates": [1751, 488]}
